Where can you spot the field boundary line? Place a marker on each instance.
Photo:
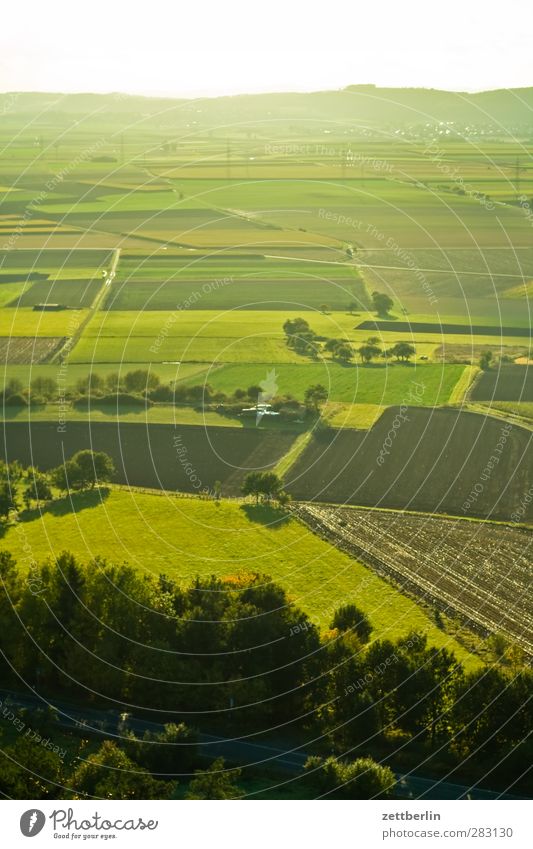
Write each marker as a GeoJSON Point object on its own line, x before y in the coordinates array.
{"type": "Point", "coordinates": [73, 340]}
{"type": "Point", "coordinates": [463, 387]}
{"type": "Point", "coordinates": [507, 416]}
{"type": "Point", "coordinates": [448, 517]}
{"type": "Point", "coordinates": [288, 460]}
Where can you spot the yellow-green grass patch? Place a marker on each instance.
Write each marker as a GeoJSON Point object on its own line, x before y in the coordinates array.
{"type": "Point", "coordinates": [185, 537]}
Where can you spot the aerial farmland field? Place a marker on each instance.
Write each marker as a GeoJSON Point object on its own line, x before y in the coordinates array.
{"type": "Point", "coordinates": [489, 581]}
{"type": "Point", "coordinates": [428, 460]}
{"type": "Point", "coordinates": [186, 458]}
{"type": "Point", "coordinates": [507, 383]}
{"type": "Point", "coordinates": [267, 438]}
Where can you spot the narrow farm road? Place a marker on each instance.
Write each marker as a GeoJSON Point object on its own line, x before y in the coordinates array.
{"type": "Point", "coordinates": [111, 724]}
{"type": "Point", "coordinates": [72, 341]}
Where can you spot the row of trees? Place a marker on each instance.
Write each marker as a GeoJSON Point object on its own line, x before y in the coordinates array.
{"type": "Point", "coordinates": [237, 653]}
{"type": "Point", "coordinates": [303, 340]}
{"type": "Point", "coordinates": [27, 770]}
{"type": "Point", "coordinates": [267, 486]}
{"type": "Point", "coordinates": [381, 303]}
{"type": "Point", "coordinates": [342, 351]}
{"type": "Point", "coordinates": [145, 388]}
{"type": "Point", "coordinates": [110, 772]}
{"type": "Point", "coordinates": [43, 389]}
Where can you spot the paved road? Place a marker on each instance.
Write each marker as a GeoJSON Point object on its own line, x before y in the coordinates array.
{"type": "Point", "coordinates": [266, 753]}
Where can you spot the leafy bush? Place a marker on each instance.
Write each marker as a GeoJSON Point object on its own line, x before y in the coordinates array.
{"type": "Point", "coordinates": [16, 400]}
{"type": "Point", "coordinates": [120, 399]}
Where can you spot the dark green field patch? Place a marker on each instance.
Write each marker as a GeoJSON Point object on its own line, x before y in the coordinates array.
{"type": "Point", "coordinates": [445, 328]}
{"type": "Point", "coordinates": [71, 293]}
{"type": "Point", "coordinates": [505, 383]}
{"type": "Point", "coordinates": [432, 461]}
{"type": "Point", "coordinates": [186, 457]}
{"type": "Point", "coordinates": [49, 259]}
{"type": "Point", "coordinates": [234, 293]}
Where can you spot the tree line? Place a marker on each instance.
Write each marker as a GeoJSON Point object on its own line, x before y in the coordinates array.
{"type": "Point", "coordinates": [301, 338]}
{"type": "Point", "coordinates": [241, 657]}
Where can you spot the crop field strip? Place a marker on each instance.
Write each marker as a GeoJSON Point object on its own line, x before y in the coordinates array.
{"type": "Point", "coordinates": [480, 572]}
{"type": "Point", "coordinates": [188, 458]}
{"type": "Point", "coordinates": [504, 383]}
{"type": "Point", "coordinates": [434, 461]}
{"type": "Point", "coordinates": [444, 328]}
{"type": "Point", "coordinates": [22, 350]}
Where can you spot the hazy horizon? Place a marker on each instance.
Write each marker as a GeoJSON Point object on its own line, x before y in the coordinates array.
{"type": "Point", "coordinates": [211, 50]}
{"type": "Point", "coordinates": [246, 93]}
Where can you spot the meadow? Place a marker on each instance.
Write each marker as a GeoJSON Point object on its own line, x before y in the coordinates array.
{"type": "Point", "coordinates": [376, 383]}
{"type": "Point", "coordinates": [185, 537]}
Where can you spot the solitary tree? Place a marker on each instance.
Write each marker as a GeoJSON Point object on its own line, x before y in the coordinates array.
{"type": "Point", "coordinates": [343, 353]}
{"type": "Point", "coordinates": [348, 617]}
{"type": "Point", "coordinates": [94, 382]}
{"type": "Point", "coordinates": [66, 476]}
{"type": "Point", "coordinates": [381, 303]}
{"type": "Point", "coordinates": [86, 468]}
{"type": "Point", "coordinates": [295, 327]}
{"type": "Point", "coordinates": [324, 308]}
{"type": "Point", "coordinates": [110, 774]}
{"type": "Point", "coordinates": [44, 386]}
{"type": "Point", "coordinates": [300, 336]}
{"type": "Point", "coordinates": [315, 396]}
{"type": "Point", "coordinates": [266, 485]}
{"type": "Point", "coordinates": [114, 382]}
{"type": "Point", "coordinates": [485, 360]}
{"type": "Point", "coordinates": [140, 380]}
{"type": "Point", "coordinates": [93, 467]}
{"type": "Point", "coordinates": [38, 489]}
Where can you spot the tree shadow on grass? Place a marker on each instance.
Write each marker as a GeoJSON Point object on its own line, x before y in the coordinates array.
{"type": "Point", "coordinates": [266, 514]}
{"type": "Point", "coordinates": [73, 503]}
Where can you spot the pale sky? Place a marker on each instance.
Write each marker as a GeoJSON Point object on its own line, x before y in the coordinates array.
{"type": "Point", "coordinates": [209, 47]}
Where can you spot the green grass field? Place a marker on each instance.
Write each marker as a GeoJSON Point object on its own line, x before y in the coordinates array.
{"type": "Point", "coordinates": [358, 384]}
{"type": "Point", "coordinates": [24, 321]}
{"type": "Point", "coordinates": [72, 372]}
{"type": "Point", "coordinates": [161, 282]}
{"type": "Point", "coordinates": [108, 413]}
{"type": "Point", "coordinates": [234, 335]}
{"type": "Point", "coordinates": [184, 537]}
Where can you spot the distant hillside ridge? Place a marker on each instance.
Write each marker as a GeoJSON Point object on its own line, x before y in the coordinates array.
{"type": "Point", "coordinates": [364, 104]}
